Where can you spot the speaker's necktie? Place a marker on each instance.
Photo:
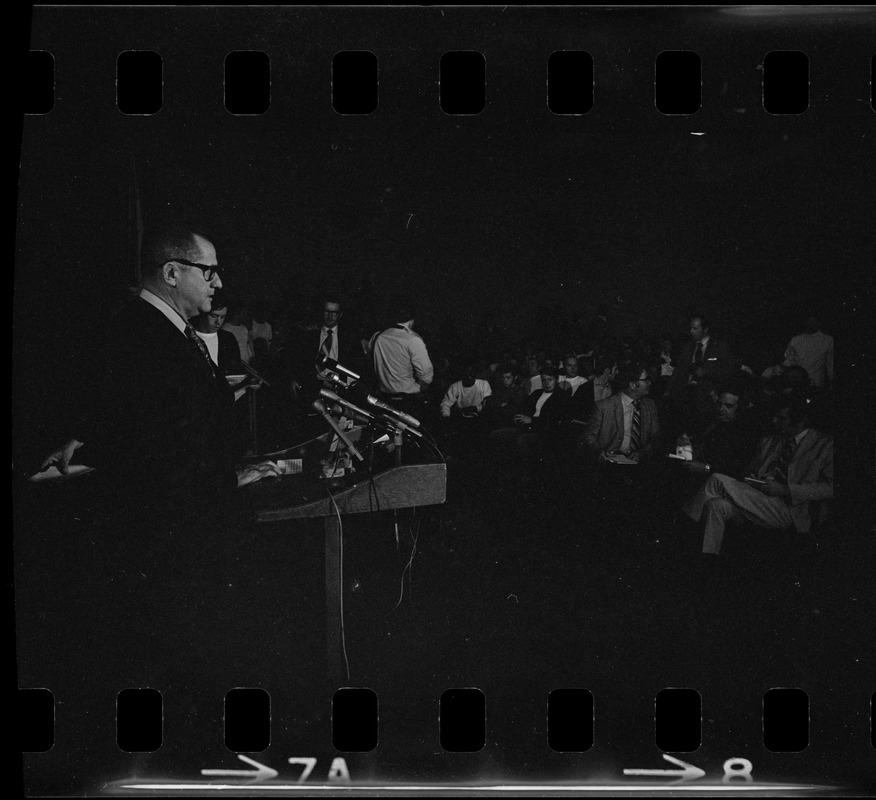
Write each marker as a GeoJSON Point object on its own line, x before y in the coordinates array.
{"type": "Point", "coordinates": [192, 334]}
{"type": "Point", "coordinates": [636, 428]}
{"type": "Point", "coordinates": [698, 355]}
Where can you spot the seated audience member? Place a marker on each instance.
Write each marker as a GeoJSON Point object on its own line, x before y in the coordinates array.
{"type": "Point", "coordinates": [533, 374]}
{"type": "Point", "coordinates": [541, 436]}
{"type": "Point", "coordinates": [790, 471]}
{"type": "Point", "coordinates": [506, 400]}
{"type": "Point", "coordinates": [662, 353]}
{"type": "Point", "coordinates": [603, 377]}
{"type": "Point", "coordinates": [571, 379]}
{"type": "Point", "coordinates": [234, 324]}
{"type": "Point", "coordinates": [546, 410]}
{"type": "Point", "coordinates": [627, 422]}
{"type": "Point", "coordinates": [813, 351]}
{"type": "Point", "coordinates": [221, 344]}
{"type": "Point", "coordinates": [774, 392]}
{"type": "Point", "coordinates": [794, 379]}
{"type": "Point", "coordinates": [665, 354]}
{"type": "Point", "coordinates": [725, 446]}
{"type": "Point", "coordinates": [586, 355]}
{"type": "Point", "coordinates": [580, 388]}
{"type": "Point", "coordinates": [466, 397]}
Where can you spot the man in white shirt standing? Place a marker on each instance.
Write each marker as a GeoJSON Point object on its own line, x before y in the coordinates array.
{"type": "Point", "coordinates": [812, 350]}
{"type": "Point", "coordinates": [402, 368]}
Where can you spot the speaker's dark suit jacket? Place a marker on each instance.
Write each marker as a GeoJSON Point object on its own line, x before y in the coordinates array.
{"type": "Point", "coordinates": [162, 558]}
{"type": "Point", "coordinates": [161, 429]}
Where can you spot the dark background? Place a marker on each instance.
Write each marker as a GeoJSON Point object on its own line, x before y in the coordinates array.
{"type": "Point", "coordinates": [519, 215]}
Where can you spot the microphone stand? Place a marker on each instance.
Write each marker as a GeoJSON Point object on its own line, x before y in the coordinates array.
{"type": "Point", "coordinates": [253, 374]}
{"type": "Point", "coordinates": [251, 399]}
{"type": "Point", "coordinates": [320, 407]}
{"type": "Point", "coordinates": [397, 440]}
{"type": "Point", "coordinates": [392, 419]}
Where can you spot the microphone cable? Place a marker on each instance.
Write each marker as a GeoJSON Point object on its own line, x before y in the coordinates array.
{"type": "Point", "coordinates": [431, 439]}
{"type": "Point", "coordinates": [408, 567]}
{"type": "Point", "coordinates": [340, 578]}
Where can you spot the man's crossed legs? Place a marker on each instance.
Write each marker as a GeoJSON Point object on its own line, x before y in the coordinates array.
{"type": "Point", "coordinates": [724, 499]}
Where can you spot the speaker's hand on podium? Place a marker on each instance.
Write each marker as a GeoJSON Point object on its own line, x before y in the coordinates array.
{"type": "Point", "coordinates": [62, 456]}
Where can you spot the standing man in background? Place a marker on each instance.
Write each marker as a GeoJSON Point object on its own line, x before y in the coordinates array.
{"type": "Point", "coordinates": [704, 362]}
{"type": "Point", "coordinates": [334, 342]}
{"type": "Point", "coordinates": [300, 363]}
{"type": "Point", "coordinates": [812, 350]}
{"type": "Point", "coordinates": [402, 368]}
{"type": "Point", "coordinates": [221, 344]}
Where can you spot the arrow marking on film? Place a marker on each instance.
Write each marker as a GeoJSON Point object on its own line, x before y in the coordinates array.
{"type": "Point", "coordinates": [688, 772]}
{"type": "Point", "coordinates": [260, 773]}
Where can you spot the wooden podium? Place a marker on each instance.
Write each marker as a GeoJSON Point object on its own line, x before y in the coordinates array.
{"type": "Point", "coordinates": [297, 497]}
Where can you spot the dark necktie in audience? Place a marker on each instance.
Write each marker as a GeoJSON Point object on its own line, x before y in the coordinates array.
{"type": "Point", "coordinates": [782, 459]}
{"type": "Point", "coordinates": [327, 343]}
{"type": "Point", "coordinates": [636, 427]}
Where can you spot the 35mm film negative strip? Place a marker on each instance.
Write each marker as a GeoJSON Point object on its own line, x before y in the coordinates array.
{"type": "Point", "coordinates": [495, 599]}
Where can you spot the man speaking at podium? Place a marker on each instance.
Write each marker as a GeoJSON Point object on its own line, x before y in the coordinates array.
{"type": "Point", "coordinates": [163, 431]}
{"type": "Point", "coordinates": [160, 559]}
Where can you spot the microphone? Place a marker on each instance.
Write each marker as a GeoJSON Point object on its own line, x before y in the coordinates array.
{"type": "Point", "coordinates": [406, 418]}
{"type": "Point", "coordinates": [362, 396]}
{"type": "Point", "coordinates": [385, 419]}
{"type": "Point", "coordinates": [336, 380]}
{"type": "Point", "coordinates": [324, 362]}
{"type": "Point", "coordinates": [328, 394]}
{"type": "Point", "coordinates": [398, 425]}
{"type": "Point", "coordinates": [320, 407]}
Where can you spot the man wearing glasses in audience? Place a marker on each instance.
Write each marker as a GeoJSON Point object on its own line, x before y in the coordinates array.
{"type": "Point", "coordinates": [620, 439]}
{"type": "Point", "coordinates": [625, 424]}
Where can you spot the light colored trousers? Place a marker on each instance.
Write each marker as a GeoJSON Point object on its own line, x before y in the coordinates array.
{"type": "Point", "coordinates": [724, 499]}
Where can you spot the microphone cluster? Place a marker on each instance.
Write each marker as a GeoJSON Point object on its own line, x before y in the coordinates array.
{"type": "Point", "coordinates": [359, 402]}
